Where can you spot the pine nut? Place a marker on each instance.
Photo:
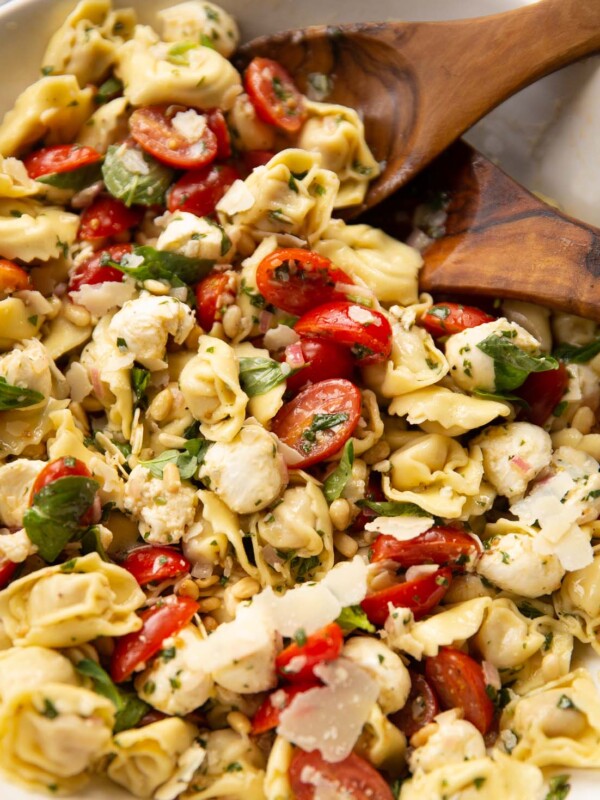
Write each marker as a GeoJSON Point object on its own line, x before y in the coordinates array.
{"type": "Point", "coordinates": [188, 588]}
{"type": "Point", "coordinates": [78, 315]}
{"type": "Point", "coordinates": [210, 623]}
{"type": "Point", "coordinates": [359, 470]}
{"type": "Point", "coordinates": [156, 287]}
{"type": "Point", "coordinates": [171, 478]}
{"type": "Point", "coordinates": [205, 583]}
{"type": "Point", "coordinates": [245, 588]}
{"type": "Point", "coordinates": [239, 722]}
{"type": "Point", "coordinates": [232, 319]}
{"type": "Point", "coordinates": [56, 306]}
{"type": "Point", "coordinates": [210, 604]}
{"type": "Point", "coordinates": [161, 405]}
{"type": "Point", "coordinates": [339, 512]}
{"type": "Point", "coordinates": [583, 420]}
{"type": "Point", "coordinates": [345, 544]}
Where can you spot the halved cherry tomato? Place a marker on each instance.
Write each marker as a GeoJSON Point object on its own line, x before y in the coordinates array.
{"type": "Point", "coordinates": [7, 570]}
{"type": "Point", "coordinates": [153, 130]}
{"type": "Point", "coordinates": [107, 216]}
{"type": "Point", "coordinates": [365, 331]}
{"type": "Point", "coordinates": [200, 190]}
{"type": "Point", "coordinates": [94, 271]}
{"type": "Point", "coordinates": [420, 595]}
{"type": "Point", "coordinates": [543, 391]}
{"type": "Point", "coordinates": [12, 277]}
{"type": "Point", "coordinates": [274, 95]}
{"type": "Point", "coordinates": [443, 319]}
{"type": "Point", "coordinates": [162, 620]}
{"type": "Point", "coordinates": [318, 421]}
{"type": "Point", "coordinates": [256, 158]}
{"type": "Point", "coordinates": [60, 158]}
{"type": "Point", "coordinates": [297, 661]}
{"type": "Point", "coordinates": [59, 468]}
{"type": "Point", "coordinates": [353, 777]}
{"type": "Point", "coordinates": [209, 297]}
{"type": "Point", "coordinates": [459, 683]}
{"type": "Point", "coordinates": [150, 563]}
{"type": "Point", "coordinates": [297, 280]}
{"type": "Point", "coordinates": [439, 545]}
{"type": "Point", "coordinates": [420, 708]}
{"type": "Point", "coordinates": [323, 359]}
{"type": "Point", "coordinates": [216, 122]}
{"type": "Point", "coordinates": [267, 716]}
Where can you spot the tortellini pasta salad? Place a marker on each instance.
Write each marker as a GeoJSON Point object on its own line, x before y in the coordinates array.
{"type": "Point", "coordinates": [273, 524]}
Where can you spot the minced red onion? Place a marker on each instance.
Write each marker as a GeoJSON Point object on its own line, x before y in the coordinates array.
{"type": "Point", "coordinates": [264, 321]}
{"type": "Point", "coordinates": [294, 355]}
{"type": "Point", "coordinates": [491, 675]}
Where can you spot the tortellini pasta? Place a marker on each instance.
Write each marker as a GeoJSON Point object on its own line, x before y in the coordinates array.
{"type": "Point", "coordinates": [262, 407]}
{"type": "Point", "coordinates": [448, 739]}
{"type": "Point", "coordinates": [16, 480]}
{"type": "Point", "coordinates": [248, 131]}
{"type": "Point", "coordinates": [217, 778]}
{"type": "Point", "coordinates": [14, 180]}
{"type": "Point", "coordinates": [106, 126]}
{"type": "Point", "coordinates": [31, 230]}
{"type": "Point", "coordinates": [26, 668]}
{"type": "Point", "coordinates": [382, 744]}
{"type": "Point", "coordinates": [385, 666]}
{"type": "Point", "coordinates": [197, 20]}
{"type": "Point", "coordinates": [577, 602]}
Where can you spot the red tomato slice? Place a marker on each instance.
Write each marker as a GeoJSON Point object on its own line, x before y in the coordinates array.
{"type": "Point", "coordinates": [353, 777]}
{"type": "Point", "coordinates": [443, 319]}
{"type": "Point", "coordinates": [216, 122]}
{"type": "Point", "coordinates": [256, 158]}
{"type": "Point", "coordinates": [7, 570]}
{"type": "Point", "coordinates": [60, 158]}
{"type": "Point", "coordinates": [200, 190]}
{"type": "Point", "coordinates": [459, 683]}
{"type": "Point", "coordinates": [59, 468]}
{"type": "Point", "coordinates": [162, 620]}
{"type": "Point", "coordinates": [297, 280]}
{"type": "Point", "coordinates": [209, 297]}
{"type": "Point", "coordinates": [420, 595]}
{"type": "Point", "coordinates": [319, 421]}
{"type": "Point", "coordinates": [150, 563]}
{"type": "Point", "coordinates": [267, 716]}
{"type": "Point", "coordinates": [365, 331]}
{"type": "Point", "coordinates": [93, 271]}
{"type": "Point", "coordinates": [297, 662]}
{"type": "Point", "coordinates": [323, 359]}
{"type": "Point", "coordinates": [543, 391]}
{"type": "Point", "coordinates": [152, 128]}
{"type": "Point", "coordinates": [107, 216]}
{"type": "Point", "coordinates": [420, 709]}
{"type": "Point", "coordinates": [274, 95]}
{"type": "Point", "coordinates": [12, 277]}
{"type": "Point", "coordinates": [439, 545]}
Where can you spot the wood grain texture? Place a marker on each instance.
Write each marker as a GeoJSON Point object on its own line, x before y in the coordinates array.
{"type": "Point", "coordinates": [419, 86]}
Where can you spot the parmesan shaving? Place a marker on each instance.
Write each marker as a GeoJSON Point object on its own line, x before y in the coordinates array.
{"type": "Point", "coordinates": [401, 528]}
{"type": "Point", "coordinates": [238, 198]}
{"type": "Point", "coordinates": [100, 298]}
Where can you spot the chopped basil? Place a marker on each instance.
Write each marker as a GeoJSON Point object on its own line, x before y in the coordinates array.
{"type": "Point", "coordinates": [178, 53]}
{"type": "Point", "coordinates": [49, 709]}
{"type": "Point", "coordinates": [146, 187]}
{"type": "Point", "coordinates": [559, 787]}
{"type": "Point", "coordinates": [187, 460]}
{"type": "Point", "coordinates": [353, 617]}
{"type": "Point", "coordinates": [335, 483]}
{"type": "Point", "coordinates": [391, 508]}
{"type": "Point", "coordinates": [140, 378]}
{"type": "Point", "coordinates": [529, 611]}
{"type": "Point", "coordinates": [575, 354]}
{"type": "Point", "coordinates": [300, 637]}
{"type": "Point", "coordinates": [75, 179]}
{"type": "Point", "coordinates": [512, 365]}
{"type": "Point", "coordinates": [320, 422]}
{"type": "Point", "coordinates": [108, 90]}
{"type": "Point", "coordinates": [17, 397]}
{"type": "Point", "coordinates": [260, 375]}
{"type": "Point", "coordinates": [176, 269]}
{"type": "Point", "coordinates": [565, 703]}
{"type": "Point", "coordinates": [560, 408]}
{"type": "Point", "coordinates": [130, 709]}
{"type": "Point", "coordinates": [302, 568]}
{"type": "Point", "coordinates": [54, 517]}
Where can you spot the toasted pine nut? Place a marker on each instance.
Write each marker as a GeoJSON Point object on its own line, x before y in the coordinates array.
{"type": "Point", "coordinates": [161, 405]}
{"type": "Point", "coordinates": [232, 319]}
{"type": "Point", "coordinates": [345, 544]}
{"type": "Point", "coordinates": [78, 315]}
{"type": "Point", "coordinates": [171, 478]}
{"type": "Point", "coordinates": [339, 512]}
{"type": "Point", "coordinates": [583, 420]}
{"type": "Point", "coordinates": [210, 623]}
{"type": "Point", "coordinates": [188, 588]}
{"type": "Point", "coordinates": [245, 588]}
{"type": "Point", "coordinates": [239, 722]}
{"type": "Point", "coordinates": [210, 604]}
{"type": "Point", "coordinates": [156, 287]}
{"type": "Point", "coordinates": [56, 307]}
{"type": "Point", "coordinates": [359, 470]}
{"type": "Point", "coordinates": [204, 583]}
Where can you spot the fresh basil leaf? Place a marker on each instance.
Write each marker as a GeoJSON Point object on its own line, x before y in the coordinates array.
{"type": "Point", "coordinates": [76, 179]}
{"type": "Point", "coordinates": [187, 461]}
{"type": "Point", "coordinates": [512, 365]}
{"type": "Point", "coordinates": [176, 269]}
{"type": "Point", "coordinates": [574, 354]}
{"type": "Point", "coordinates": [132, 712]}
{"type": "Point", "coordinates": [130, 709]}
{"type": "Point", "coordinates": [320, 422]}
{"type": "Point", "coordinates": [507, 398]}
{"type": "Point", "coordinates": [140, 378]}
{"type": "Point", "coordinates": [53, 519]}
{"type": "Point", "coordinates": [108, 90]}
{"type": "Point", "coordinates": [146, 187]}
{"type": "Point", "coordinates": [559, 787]}
{"type": "Point", "coordinates": [17, 397]}
{"type": "Point", "coordinates": [260, 375]}
{"type": "Point", "coordinates": [354, 617]}
{"type": "Point", "coordinates": [335, 482]}
{"type": "Point", "coordinates": [390, 508]}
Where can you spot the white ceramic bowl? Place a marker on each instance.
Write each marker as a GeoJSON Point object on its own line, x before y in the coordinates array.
{"type": "Point", "coordinates": [546, 136]}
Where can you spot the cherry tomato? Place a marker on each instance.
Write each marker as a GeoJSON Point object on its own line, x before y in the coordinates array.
{"type": "Point", "coordinates": [459, 683]}
{"type": "Point", "coordinates": [107, 216]}
{"type": "Point", "coordinates": [319, 420]}
{"type": "Point", "coordinates": [209, 297]}
{"type": "Point", "coordinates": [439, 545]}
{"type": "Point", "coordinates": [274, 95]}
{"type": "Point", "coordinates": [353, 777]}
{"type": "Point", "coordinates": [297, 280]}
{"type": "Point", "coordinates": [321, 646]}
{"type": "Point", "coordinates": [93, 271]}
{"type": "Point", "coordinates": [12, 277]}
{"type": "Point", "coordinates": [420, 595]}
{"type": "Point", "coordinates": [216, 122]}
{"type": "Point", "coordinates": [152, 128]}
{"type": "Point", "coordinates": [443, 319]}
{"type": "Point", "coordinates": [420, 708]}
{"type": "Point", "coordinates": [59, 468]}
{"type": "Point", "coordinates": [7, 570]}
{"type": "Point", "coordinates": [150, 563]}
{"type": "Point", "coordinates": [374, 493]}
{"type": "Point", "coordinates": [200, 190]}
{"type": "Point", "coordinates": [543, 391]}
{"type": "Point", "coordinates": [323, 359]}
{"type": "Point", "coordinates": [267, 716]}
{"type": "Point", "coordinates": [256, 158]}
{"type": "Point", "coordinates": [365, 331]}
{"type": "Point", "coordinates": [60, 158]}
{"type": "Point", "coordinates": [162, 620]}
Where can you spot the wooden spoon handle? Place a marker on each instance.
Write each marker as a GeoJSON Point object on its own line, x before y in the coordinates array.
{"type": "Point", "coordinates": [502, 241]}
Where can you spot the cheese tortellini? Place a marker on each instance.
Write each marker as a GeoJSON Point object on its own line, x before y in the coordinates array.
{"type": "Point", "coordinates": [197, 21]}
{"type": "Point", "coordinates": [31, 230]}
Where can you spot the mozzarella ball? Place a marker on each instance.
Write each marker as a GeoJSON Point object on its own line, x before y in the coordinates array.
{"type": "Point", "coordinates": [187, 234]}
{"type": "Point", "coordinates": [444, 741]}
{"type": "Point", "coordinates": [385, 666]}
{"type": "Point", "coordinates": [162, 515]}
{"type": "Point", "coordinates": [16, 480]}
{"type": "Point", "coordinates": [512, 564]}
{"type": "Point", "coordinates": [196, 19]}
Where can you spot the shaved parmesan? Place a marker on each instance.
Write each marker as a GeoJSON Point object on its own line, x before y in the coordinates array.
{"type": "Point", "coordinates": [34, 301]}
{"type": "Point", "coordinates": [79, 382]}
{"type": "Point", "coordinates": [187, 765]}
{"type": "Point", "coordinates": [401, 528]}
{"type": "Point", "coordinates": [238, 198]}
{"type": "Point", "coordinates": [189, 124]}
{"type": "Point", "coordinates": [280, 337]}
{"type": "Point", "coordinates": [100, 298]}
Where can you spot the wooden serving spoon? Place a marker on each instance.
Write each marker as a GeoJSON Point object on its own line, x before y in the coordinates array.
{"type": "Point", "coordinates": [500, 240]}
{"type": "Point", "coordinates": [420, 85]}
